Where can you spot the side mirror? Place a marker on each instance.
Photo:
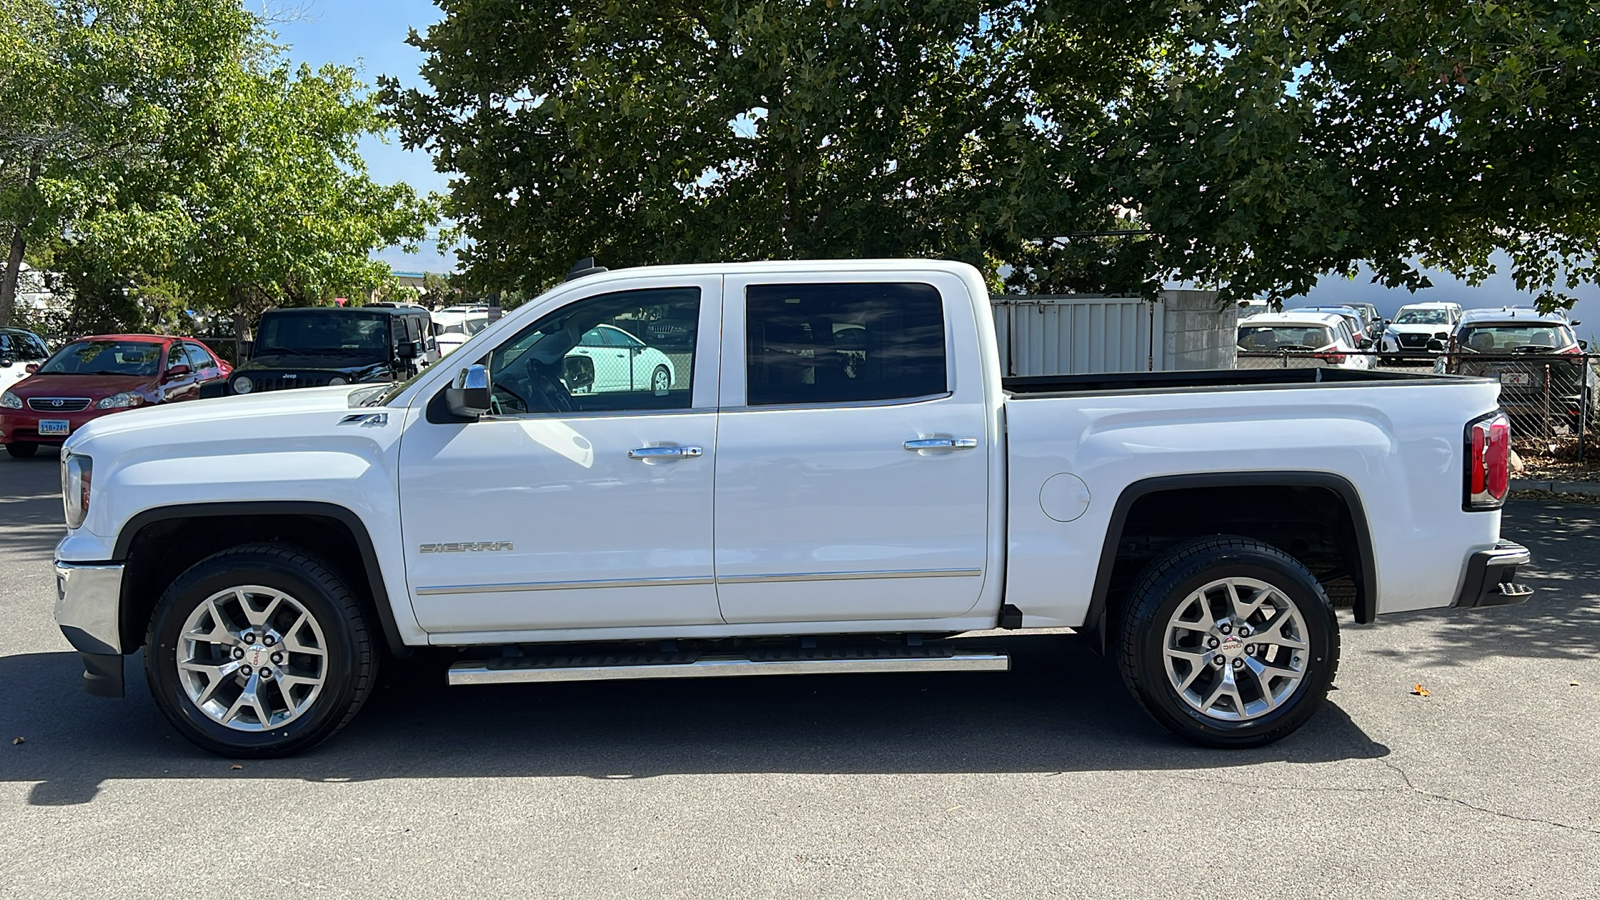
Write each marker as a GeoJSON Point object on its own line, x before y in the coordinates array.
{"type": "Point", "coordinates": [1387, 322]}
{"type": "Point", "coordinates": [407, 350]}
{"type": "Point", "coordinates": [31, 368]}
{"type": "Point", "coordinates": [1436, 346]}
{"type": "Point", "coordinates": [468, 395]}
{"type": "Point", "coordinates": [1576, 324]}
{"type": "Point", "coordinates": [1363, 342]}
{"type": "Point", "coordinates": [577, 373]}
{"type": "Point", "coordinates": [178, 371]}
{"type": "Point", "coordinates": [1583, 345]}
{"type": "Point", "coordinates": [5, 362]}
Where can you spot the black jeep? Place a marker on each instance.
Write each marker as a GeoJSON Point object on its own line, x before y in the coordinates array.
{"type": "Point", "coordinates": [323, 346]}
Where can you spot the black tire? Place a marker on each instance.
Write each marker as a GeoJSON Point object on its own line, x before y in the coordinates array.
{"type": "Point", "coordinates": [22, 449]}
{"type": "Point", "coordinates": [1170, 582]}
{"type": "Point", "coordinates": [349, 666]}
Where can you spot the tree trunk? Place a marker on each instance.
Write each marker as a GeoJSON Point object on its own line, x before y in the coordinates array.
{"type": "Point", "coordinates": [8, 283]}
{"type": "Point", "coordinates": [19, 243]}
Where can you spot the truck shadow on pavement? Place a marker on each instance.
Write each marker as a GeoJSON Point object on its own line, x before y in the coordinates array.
{"type": "Point", "coordinates": [1560, 621]}
{"type": "Point", "coordinates": [1062, 709]}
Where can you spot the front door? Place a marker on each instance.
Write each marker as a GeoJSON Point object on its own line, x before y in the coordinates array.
{"type": "Point", "coordinates": [582, 502]}
{"type": "Point", "coordinates": [852, 456]}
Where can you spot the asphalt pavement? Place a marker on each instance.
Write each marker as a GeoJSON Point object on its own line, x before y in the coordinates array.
{"type": "Point", "coordinates": [1043, 782]}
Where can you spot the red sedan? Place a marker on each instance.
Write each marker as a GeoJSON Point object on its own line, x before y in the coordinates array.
{"type": "Point", "coordinates": [100, 375]}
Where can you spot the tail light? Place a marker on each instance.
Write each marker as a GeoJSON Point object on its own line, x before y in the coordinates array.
{"type": "Point", "coordinates": [1336, 359]}
{"type": "Point", "coordinates": [1574, 350]}
{"type": "Point", "coordinates": [1488, 462]}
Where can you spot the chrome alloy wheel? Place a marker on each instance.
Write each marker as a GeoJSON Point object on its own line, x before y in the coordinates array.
{"type": "Point", "coordinates": [1236, 649]}
{"type": "Point", "coordinates": [252, 658]}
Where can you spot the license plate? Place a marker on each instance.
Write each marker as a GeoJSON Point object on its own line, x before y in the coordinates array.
{"type": "Point", "coordinates": [54, 426]}
{"type": "Point", "coordinates": [1516, 378]}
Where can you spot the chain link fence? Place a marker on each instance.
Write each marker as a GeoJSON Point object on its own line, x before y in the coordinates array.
{"type": "Point", "coordinates": [1551, 398]}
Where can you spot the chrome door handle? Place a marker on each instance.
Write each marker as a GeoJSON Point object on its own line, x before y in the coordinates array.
{"type": "Point", "coordinates": [665, 452]}
{"type": "Point", "coordinates": [942, 444]}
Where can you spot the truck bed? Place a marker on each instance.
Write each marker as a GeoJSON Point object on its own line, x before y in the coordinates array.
{"type": "Point", "coordinates": [1210, 379]}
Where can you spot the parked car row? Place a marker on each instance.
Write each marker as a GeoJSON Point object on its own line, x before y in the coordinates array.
{"type": "Point", "coordinates": [1536, 357]}
{"type": "Point", "coordinates": [1308, 338]}
{"type": "Point", "coordinates": [98, 375]}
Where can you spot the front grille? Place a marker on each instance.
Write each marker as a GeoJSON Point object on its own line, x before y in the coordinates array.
{"type": "Point", "coordinates": [280, 383]}
{"type": "Point", "coordinates": [1415, 341]}
{"type": "Point", "coordinates": [58, 404]}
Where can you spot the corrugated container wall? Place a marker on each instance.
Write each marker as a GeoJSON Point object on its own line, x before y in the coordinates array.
{"type": "Point", "coordinates": [1090, 334]}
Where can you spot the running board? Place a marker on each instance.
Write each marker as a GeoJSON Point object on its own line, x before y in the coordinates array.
{"type": "Point", "coordinates": [620, 666]}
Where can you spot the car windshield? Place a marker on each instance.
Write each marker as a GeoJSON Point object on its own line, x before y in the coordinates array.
{"type": "Point", "coordinates": [104, 358]}
{"type": "Point", "coordinates": [1526, 338]}
{"type": "Point", "coordinates": [1422, 317]}
{"type": "Point", "coordinates": [1283, 337]}
{"type": "Point", "coordinates": [468, 327]}
{"type": "Point", "coordinates": [337, 332]}
{"type": "Point", "coordinates": [20, 345]}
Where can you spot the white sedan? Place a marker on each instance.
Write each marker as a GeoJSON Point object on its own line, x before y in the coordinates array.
{"type": "Point", "coordinates": [622, 362]}
{"type": "Point", "coordinates": [18, 349]}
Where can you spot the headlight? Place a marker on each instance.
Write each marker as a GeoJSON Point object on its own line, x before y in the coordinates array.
{"type": "Point", "coordinates": [76, 473]}
{"type": "Point", "coordinates": [242, 385]}
{"type": "Point", "coordinates": [9, 400]}
{"type": "Point", "coordinates": [120, 401]}
{"type": "Point", "coordinates": [337, 380]}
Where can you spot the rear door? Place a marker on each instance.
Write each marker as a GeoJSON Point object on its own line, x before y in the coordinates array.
{"type": "Point", "coordinates": [852, 457]}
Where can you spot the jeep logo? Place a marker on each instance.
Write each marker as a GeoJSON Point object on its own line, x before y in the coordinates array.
{"type": "Point", "coordinates": [470, 547]}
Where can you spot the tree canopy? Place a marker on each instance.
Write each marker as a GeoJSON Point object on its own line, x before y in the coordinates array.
{"type": "Point", "coordinates": [1069, 146]}
{"type": "Point", "coordinates": [165, 147]}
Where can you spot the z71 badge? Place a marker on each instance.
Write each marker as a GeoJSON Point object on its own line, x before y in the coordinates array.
{"type": "Point", "coordinates": [469, 547]}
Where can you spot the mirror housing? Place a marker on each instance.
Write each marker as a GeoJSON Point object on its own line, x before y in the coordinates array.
{"type": "Point", "coordinates": [178, 371]}
{"type": "Point", "coordinates": [468, 395]}
{"type": "Point", "coordinates": [5, 362]}
{"type": "Point", "coordinates": [31, 368]}
{"type": "Point", "coordinates": [577, 373]}
{"type": "Point", "coordinates": [1583, 345]}
{"type": "Point", "coordinates": [407, 350]}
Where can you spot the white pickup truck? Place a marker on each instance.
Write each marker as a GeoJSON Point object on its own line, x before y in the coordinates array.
{"type": "Point", "coordinates": [834, 478]}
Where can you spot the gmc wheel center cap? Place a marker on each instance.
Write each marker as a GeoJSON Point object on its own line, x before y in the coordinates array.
{"type": "Point", "coordinates": [256, 655]}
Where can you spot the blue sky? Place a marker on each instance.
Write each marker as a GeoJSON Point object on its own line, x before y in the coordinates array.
{"type": "Point", "coordinates": [370, 36]}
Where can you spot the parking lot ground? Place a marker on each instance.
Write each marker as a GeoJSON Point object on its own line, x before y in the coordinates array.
{"type": "Point", "coordinates": [1046, 781]}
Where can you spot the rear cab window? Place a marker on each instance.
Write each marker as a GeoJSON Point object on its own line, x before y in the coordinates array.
{"type": "Point", "coordinates": [840, 343]}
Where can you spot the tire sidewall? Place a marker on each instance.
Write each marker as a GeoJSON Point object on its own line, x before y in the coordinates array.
{"type": "Point", "coordinates": [660, 370]}
{"type": "Point", "coordinates": [1314, 609]}
{"type": "Point", "coordinates": [210, 577]}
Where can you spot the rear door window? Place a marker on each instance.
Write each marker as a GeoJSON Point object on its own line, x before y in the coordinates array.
{"type": "Point", "coordinates": [843, 343]}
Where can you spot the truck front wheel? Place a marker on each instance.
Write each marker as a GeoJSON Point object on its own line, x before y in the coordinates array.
{"type": "Point", "coordinates": [1229, 642]}
{"type": "Point", "coordinates": [259, 651]}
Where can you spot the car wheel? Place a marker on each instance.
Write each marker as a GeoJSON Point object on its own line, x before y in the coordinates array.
{"type": "Point", "coordinates": [1229, 642]}
{"type": "Point", "coordinates": [259, 651]}
{"type": "Point", "coordinates": [660, 380]}
{"type": "Point", "coordinates": [22, 449]}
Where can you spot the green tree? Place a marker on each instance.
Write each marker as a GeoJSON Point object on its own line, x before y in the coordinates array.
{"type": "Point", "coordinates": [671, 132]}
{"type": "Point", "coordinates": [89, 90]}
{"type": "Point", "coordinates": [1288, 140]}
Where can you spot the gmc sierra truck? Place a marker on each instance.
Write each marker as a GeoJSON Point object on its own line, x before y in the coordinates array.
{"type": "Point", "coordinates": [833, 478]}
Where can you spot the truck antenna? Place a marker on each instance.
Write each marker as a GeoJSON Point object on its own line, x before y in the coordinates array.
{"type": "Point", "coordinates": [584, 267]}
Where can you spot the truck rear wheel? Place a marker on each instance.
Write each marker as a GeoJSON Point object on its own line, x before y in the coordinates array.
{"type": "Point", "coordinates": [1229, 642]}
{"type": "Point", "coordinates": [259, 651]}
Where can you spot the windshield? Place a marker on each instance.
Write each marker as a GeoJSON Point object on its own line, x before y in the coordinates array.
{"type": "Point", "coordinates": [469, 327]}
{"type": "Point", "coordinates": [337, 332]}
{"type": "Point", "coordinates": [1529, 338]}
{"type": "Point", "coordinates": [19, 345]}
{"type": "Point", "coordinates": [1284, 337]}
{"type": "Point", "coordinates": [104, 358]}
{"type": "Point", "coordinates": [1422, 317]}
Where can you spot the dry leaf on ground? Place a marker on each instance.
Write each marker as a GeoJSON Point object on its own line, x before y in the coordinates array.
{"type": "Point", "coordinates": [1420, 691]}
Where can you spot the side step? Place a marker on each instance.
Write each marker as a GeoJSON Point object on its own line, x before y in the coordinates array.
{"type": "Point", "coordinates": [823, 661]}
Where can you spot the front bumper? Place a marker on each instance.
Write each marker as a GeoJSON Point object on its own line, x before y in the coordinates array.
{"type": "Point", "coordinates": [1490, 577]}
{"type": "Point", "coordinates": [22, 425]}
{"type": "Point", "coordinates": [88, 605]}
